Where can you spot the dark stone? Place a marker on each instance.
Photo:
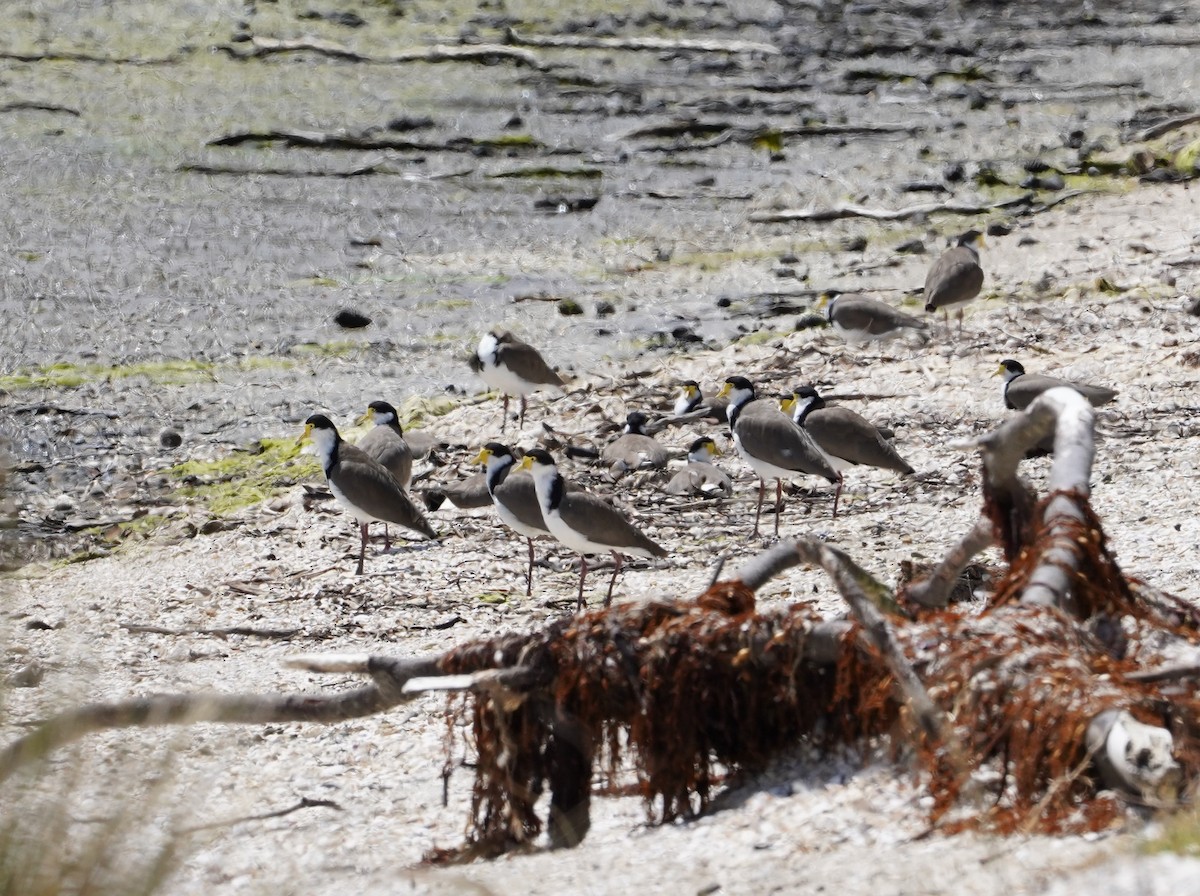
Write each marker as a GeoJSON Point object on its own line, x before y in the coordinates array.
{"type": "Point", "coordinates": [954, 173]}
{"type": "Point", "coordinates": [999, 228]}
{"type": "Point", "coordinates": [604, 309]}
{"type": "Point", "coordinates": [569, 307]}
{"type": "Point", "coordinates": [854, 244]}
{"type": "Point", "coordinates": [911, 247]}
{"type": "Point", "coordinates": [169, 438]}
{"type": "Point", "coordinates": [351, 319]}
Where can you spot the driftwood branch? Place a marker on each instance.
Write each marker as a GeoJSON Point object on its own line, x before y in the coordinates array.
{"type": "Point", "coordinates": [487, 54]}
{"type": "Point", "coordinates": [849, 210]}
{"type": "Point", "coordinates": [934, 592]}
{"type": "Point", "coordinates": [390, 675]}
{"type": "Point", "coordinates": [1069, 416]}
{"type": "Point", "coordinates": [650, 44]}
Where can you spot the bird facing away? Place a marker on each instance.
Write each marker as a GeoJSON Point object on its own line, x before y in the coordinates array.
{"type": "Point", "coordinates": [514, 497]}
{"type": "Point", "coordinates": [1021, 388]}
{"type": "Point", "coordinates": [361, 484]}
{"type": "Point", "coordinates": [584, 522]}
{"type": "Point", "coordinates": [634, 449]}
{"type": "Point", "coordinates": [512, 367]}
{"type": "Point", "coordinates": [956, 277]}
{"type": "Point", "coordinates": [859, 319]}
{"type": "Point", "coordinates": [701, 476]}
{"type": "Point", "coordinates": [771, 443]}
{"type": "Point", "coordinates": [385, 443]}
{"type": "Point", "coordinates": [691, 398]}
{"type": "Point", "coordinates": [846, 437]}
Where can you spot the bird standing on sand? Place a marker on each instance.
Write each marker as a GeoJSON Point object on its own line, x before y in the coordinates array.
{"type": "Point", "coordinates": [361, 484]}
{"type": "Point", "coordinates": [512, 367]}
{"type": "Point", "coordinates": [1021, 388]}
{"type": "Point", "coordinates": [771, 443]}
{"type": "Point", "coordinates": [584, 522]}
{"type": "Point", "coordinates": [634, 449]}
{"type": "Point", "coordinates": [956, 277]}
{"type": "Point", "coordinates": [701, 476]}
{"type": "Point", "coordinates": [514, 496]}
{"type": "Point", "coordinates": [385, 443]}
{"type": "Point", "coordinates": [859, 319]}
{"type": "Point", "coordinates": [847, 438]}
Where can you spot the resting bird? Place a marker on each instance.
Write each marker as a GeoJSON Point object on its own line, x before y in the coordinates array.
{"type": "Point", "coordinates": [692, 399]}
{"type": "Point", "coordinates": [956, 277]}
{"type": "Point", "coordinates": [634, 449]}
{"type": "Point", "coordinates": [701, 476]}
{"type": "Point", "coordinates": [512, 367]}
{"type": "Point", "coordinates": [584, 522]}
{"type": "Point", "coordinates": [1021, 388]}
{"type": "Point", "coordinates": [859, 318]}
{"type": "Point", "coordinates": [361, 484]}
{"type": "Point", "coordinates": [846, 437]}
{"type": "Point", "coordinates": [771, 443]}
{"type": "Point", "coordinates": [385, 443]}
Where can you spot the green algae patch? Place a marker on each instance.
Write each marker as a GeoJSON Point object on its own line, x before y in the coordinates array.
{"type": "Point", "coordinates": [244, 477]}
{"type": "Point", "coordinates": [417, 409]}
{"type": "Point", "coordinates": [70, 376]}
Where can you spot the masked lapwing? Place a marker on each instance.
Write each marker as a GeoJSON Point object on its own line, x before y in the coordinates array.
{"type": "Point", "coordinates": [860, 319]}
{"type": "Point", "coordinates": [956, 277]}
{"type": "Point", "coordinates": [584, 522]}
{"type": "Point", "coordinates": [514, 497]}
{"type": "Point", "coordinates": [701, 476]}
{"type": "Point", "coordinates": [1021, 388]}
{"type": "Point", "coordinates": [847, 438]}
{"type": "Point", "coordinates": [692, 398]}
{"type": "Point", "coordinates": [634, 449]}
{"type": "Point", "coordinates": [771, 443]}
{"type": "Point", "coordinates": [361, 484]}
{"type": "Point", "coordinates": [512, 367]}
{"type": "Point", "coordinates": [385, 442]}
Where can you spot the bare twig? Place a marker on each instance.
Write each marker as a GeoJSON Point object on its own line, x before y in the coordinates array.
{"type": "Point", "coordinates": [934, 592]}
{"type": "Point", "coordinates": [305, 803]}
{"type": "Point", "coordinates": [848, 210]}
{"type": "Point", "coordinates": [651, 44]}
{"type": "Point", "coordinates": [247, 631]}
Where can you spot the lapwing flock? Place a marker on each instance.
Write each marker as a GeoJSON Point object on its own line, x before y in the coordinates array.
{"type": "Point", "coordinates": [780, 437]}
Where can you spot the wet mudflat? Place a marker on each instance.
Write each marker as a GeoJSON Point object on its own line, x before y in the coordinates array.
{"type": "Point", "coordinates": [191, 200]}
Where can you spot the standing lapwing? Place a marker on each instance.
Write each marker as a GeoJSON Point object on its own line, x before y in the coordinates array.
{"type": "Point", "coordinates": [847, 438]}
{"type": "Point", "coordinates": [361, 484]}
{"type": "Point", "coordinates": [771, 443]}
{"type": "Point", "coordinates": [956, 277]}
{"type": "Point", "coordinates": [514, 496]}
{"type": "Point", "coordinates": [584, 522]}
{"type": "Point", "coordinates": [512, 367]}
{"type": "Point", "coordinates": [385, 443]}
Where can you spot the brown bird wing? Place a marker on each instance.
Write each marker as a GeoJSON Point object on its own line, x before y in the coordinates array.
{"type": "Point", "coordinates": [366, 484]}
{"type": "Point", "coordinates": [770, 435]}
{"type": "Point", "coordinates": [519, 497]}
{"type": "Point", "coordinates": [870, 316]}
{"type": "Point", "coordinates": [600, 522]}
{"type": "Point", "coordinates": [845, 434]}
{"type": "Point", "coordinates": [1021, 392]}
{"type": "Point", "coordinates": [389, 448]}
{"type": "Point", "coordinates": [525, 360]}
{"type": "Point", "coordinates": [955, 277]}
{"type": "Point", "coordinates": [635, 452]}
